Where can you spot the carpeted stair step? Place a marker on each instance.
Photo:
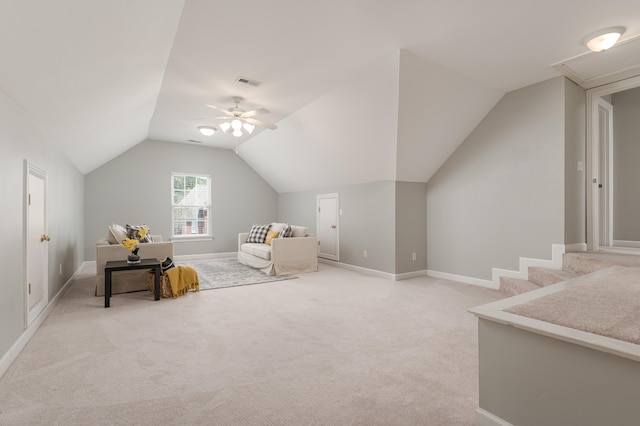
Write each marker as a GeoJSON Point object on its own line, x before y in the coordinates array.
{"type": "Point", "coordinates": [545, 276]}
{"type": "Point", "coordinates": [583, 263]}
{"type": "Point", "coordinates": [515, 286]}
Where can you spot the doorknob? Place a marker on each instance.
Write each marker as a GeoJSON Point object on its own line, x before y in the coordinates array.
{"type": "Point", "coordinates": [44, 238]}
{"type": "Point", "coordinates": [333, 227]}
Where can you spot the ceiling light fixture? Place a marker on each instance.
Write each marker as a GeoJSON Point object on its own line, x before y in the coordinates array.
{"type": "Point", "coordinates": [238, 120]}
{"type": "Point", "coordinates": [603, 39]}
{"type": "Point", "coordinates": [206, 130]}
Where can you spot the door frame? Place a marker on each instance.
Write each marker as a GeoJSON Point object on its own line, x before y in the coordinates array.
{"type": "Point", "coordinates": [593, 157]}
{"type": "Point", "coordinates": [335, 195]}
{"type": "Point", "coordinates": [606, 192]}
{"type": "Point", "coordinates": [30, 314]}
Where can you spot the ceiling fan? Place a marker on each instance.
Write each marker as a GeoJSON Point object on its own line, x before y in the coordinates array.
{"type": "Point", "coordinates": [239, 119]}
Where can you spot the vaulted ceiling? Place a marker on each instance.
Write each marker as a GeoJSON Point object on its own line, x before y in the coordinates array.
{"type": "Point", "coordinates": [98, 77]}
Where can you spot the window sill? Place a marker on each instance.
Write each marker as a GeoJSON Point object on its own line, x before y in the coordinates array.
{"type": "Point", "coordinates": [189, 239]}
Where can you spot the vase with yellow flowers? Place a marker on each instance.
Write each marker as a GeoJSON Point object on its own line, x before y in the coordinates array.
{"type": "Point", "coordinates": [132, 245]}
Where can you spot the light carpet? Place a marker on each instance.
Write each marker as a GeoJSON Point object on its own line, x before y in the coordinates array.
{"type": "Point", "coordinates": [335, 347]}
{"type": "Point", "coordinates": [220, 273]}
{"type": "Point", "coordinates": [605, 303]}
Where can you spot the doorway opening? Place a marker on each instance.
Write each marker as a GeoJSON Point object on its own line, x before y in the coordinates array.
{"type": "Point", "coordinates": [605, 228]}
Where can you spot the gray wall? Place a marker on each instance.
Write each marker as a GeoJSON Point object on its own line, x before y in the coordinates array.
{"type": "Point", "coordinates": [626, 156]}
{"type": "Point", "coordinates": [19, 140]}
{"type": "Point", "coordinates": [528, 379]}
{"type": "Point", "coordinates": [367, 221]}
{"type": "Point", "coordinates": [500, 196]}
{"type": "Point", "coordinates": [135, 187]}
{"type": "Point", "coordinates": [575, 226]}
{"type": "Point", "coordinates": [411, 226]}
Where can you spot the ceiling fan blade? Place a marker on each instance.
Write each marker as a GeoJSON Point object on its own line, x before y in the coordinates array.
{"type": "Point", "coordinates": [229, 113]}
{"type": "Point", "coordinates": [255, 112]}
{"type": "Point", "coordinates": [260, 123]}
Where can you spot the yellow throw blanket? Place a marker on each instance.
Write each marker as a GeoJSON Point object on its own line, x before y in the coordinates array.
{"type": "Point", "coordinates": [182, 279]}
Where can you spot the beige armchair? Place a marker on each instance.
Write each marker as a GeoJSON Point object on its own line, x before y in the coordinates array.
{"type": "Point", "coordinates": [128, 281]}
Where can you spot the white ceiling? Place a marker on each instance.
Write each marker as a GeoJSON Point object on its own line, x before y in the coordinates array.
{"type": "Point", "coordinates": [98, 77]}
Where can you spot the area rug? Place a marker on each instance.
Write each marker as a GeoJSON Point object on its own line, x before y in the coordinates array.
{"type": "Point", "coordinates": [223, 273]}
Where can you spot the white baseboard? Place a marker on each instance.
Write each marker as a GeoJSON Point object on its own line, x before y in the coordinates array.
{"type": "Point", "coordinates": [463, 279]}
{"type": "Point", "coordinates": [413, 274]}
{"type": "Point", "coordinates": [485, 418]}
{"type": "Point", "coordinates": [557, 251]}
{"type": "Point", "coordinates": [13, 352]}
{"type": "Point", "coordinates": [570, 248]}
{"type": "Point", "coordinates": [360, 269]}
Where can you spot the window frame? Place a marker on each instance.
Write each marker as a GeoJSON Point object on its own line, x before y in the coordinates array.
{"type": "Point", "coordinates": [208, 206]}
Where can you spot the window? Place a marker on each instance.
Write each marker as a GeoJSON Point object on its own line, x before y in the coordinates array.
{"type": "Point", "coordinates": [190, 205]}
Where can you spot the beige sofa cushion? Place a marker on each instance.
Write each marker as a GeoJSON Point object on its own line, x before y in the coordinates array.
{"type": "Point", "coordinates": [262, 251]}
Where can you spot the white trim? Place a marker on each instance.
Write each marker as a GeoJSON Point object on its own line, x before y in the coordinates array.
{"type": "Point", "coordinates": [409, 275]}
{"type": "Point", "coordinates": [31, 314]}
{"type": "Point", "coordinates": [13, 352]}
{"type": "Point", "coordinates": [182, 258]}
{"type": "Point", "coordinates": [360, 269]}
{"type": "Point", "coordinates": [557, 250]}
{"type": "Point", "coordinates": [607, 189]}
{"type": "Point", "coordinates": [336, 196]}
{"type": "Point", "coordinates": [569, 248]}
{"type": "Point", "coordinates": [191, 239]}
{"type": "Point", "coordinates": [593, 95]}
{"type": "Point", "coordinates": [624, 243]}
{"type": "Point", "coordinates": [463, 279]}
{"type": "Point", "coordinates": [485, 418]}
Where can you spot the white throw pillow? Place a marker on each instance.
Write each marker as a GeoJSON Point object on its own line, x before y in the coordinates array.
{"type": "Point", "coordinates": [299, 231]}
{"type": "Point", "coordinates": [277, 227]}
{"type": "Point", "coordinates": [117, 233]}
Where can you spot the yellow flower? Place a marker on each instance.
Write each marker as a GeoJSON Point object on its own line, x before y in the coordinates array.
{"type": "Point", "coordinates": [130, 244]}
{"type": "Point", "coordinates": [142, 232]}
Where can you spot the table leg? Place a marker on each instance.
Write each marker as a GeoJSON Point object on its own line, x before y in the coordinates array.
{"type": "Point", "coordinates": [156, 282]}
{"type": "Point", "coordinates": [107, 288]}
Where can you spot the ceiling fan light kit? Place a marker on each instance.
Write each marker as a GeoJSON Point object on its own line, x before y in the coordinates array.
{"type": "Point", "coordinates": [603, 39]}
{"type": "Point", "coordinates": [238, 119]}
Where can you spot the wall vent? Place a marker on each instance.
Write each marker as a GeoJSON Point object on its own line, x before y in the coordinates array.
{"type": "Point", "coordinates": [194, 141]}
{"type": "Point", "coordinates": [248, 81]}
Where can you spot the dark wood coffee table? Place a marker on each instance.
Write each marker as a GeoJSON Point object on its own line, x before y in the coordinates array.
{"type": "Point", "coordinates": [123, 265]}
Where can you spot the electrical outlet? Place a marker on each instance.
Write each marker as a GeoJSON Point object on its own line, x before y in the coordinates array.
{"type": "Point", "coordinates": [413, 256]}
{"type": "Point", "coordinates": [364, 253]}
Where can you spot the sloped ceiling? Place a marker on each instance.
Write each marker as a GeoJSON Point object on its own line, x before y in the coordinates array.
{"type": "Point", "coordinates": [98, 77]}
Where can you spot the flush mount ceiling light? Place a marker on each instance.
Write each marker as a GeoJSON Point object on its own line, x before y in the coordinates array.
{"type": "Point", "coordinates": [603, 39]}
{"type": "Point", "coordinates": [206, 130]}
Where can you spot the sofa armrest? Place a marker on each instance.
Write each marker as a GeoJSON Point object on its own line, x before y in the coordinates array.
{"type": "Point", "coordinates": [242, 238]}
{"type": "Point", "coordinates": [294, 248]}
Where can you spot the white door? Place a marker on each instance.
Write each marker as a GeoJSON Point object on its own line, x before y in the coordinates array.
{"type": "Point", "coordinates": [327, 226]}
{"type": "Point", "coordinates": [36, 242]}
{"type": "Point", "coordinates": [605, 172]}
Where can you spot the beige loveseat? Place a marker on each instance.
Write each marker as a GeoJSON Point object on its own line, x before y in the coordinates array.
{"type": "Point", "coordinates": [127, 281]}
{"type": "Point", "coordinates": [283, 256]}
